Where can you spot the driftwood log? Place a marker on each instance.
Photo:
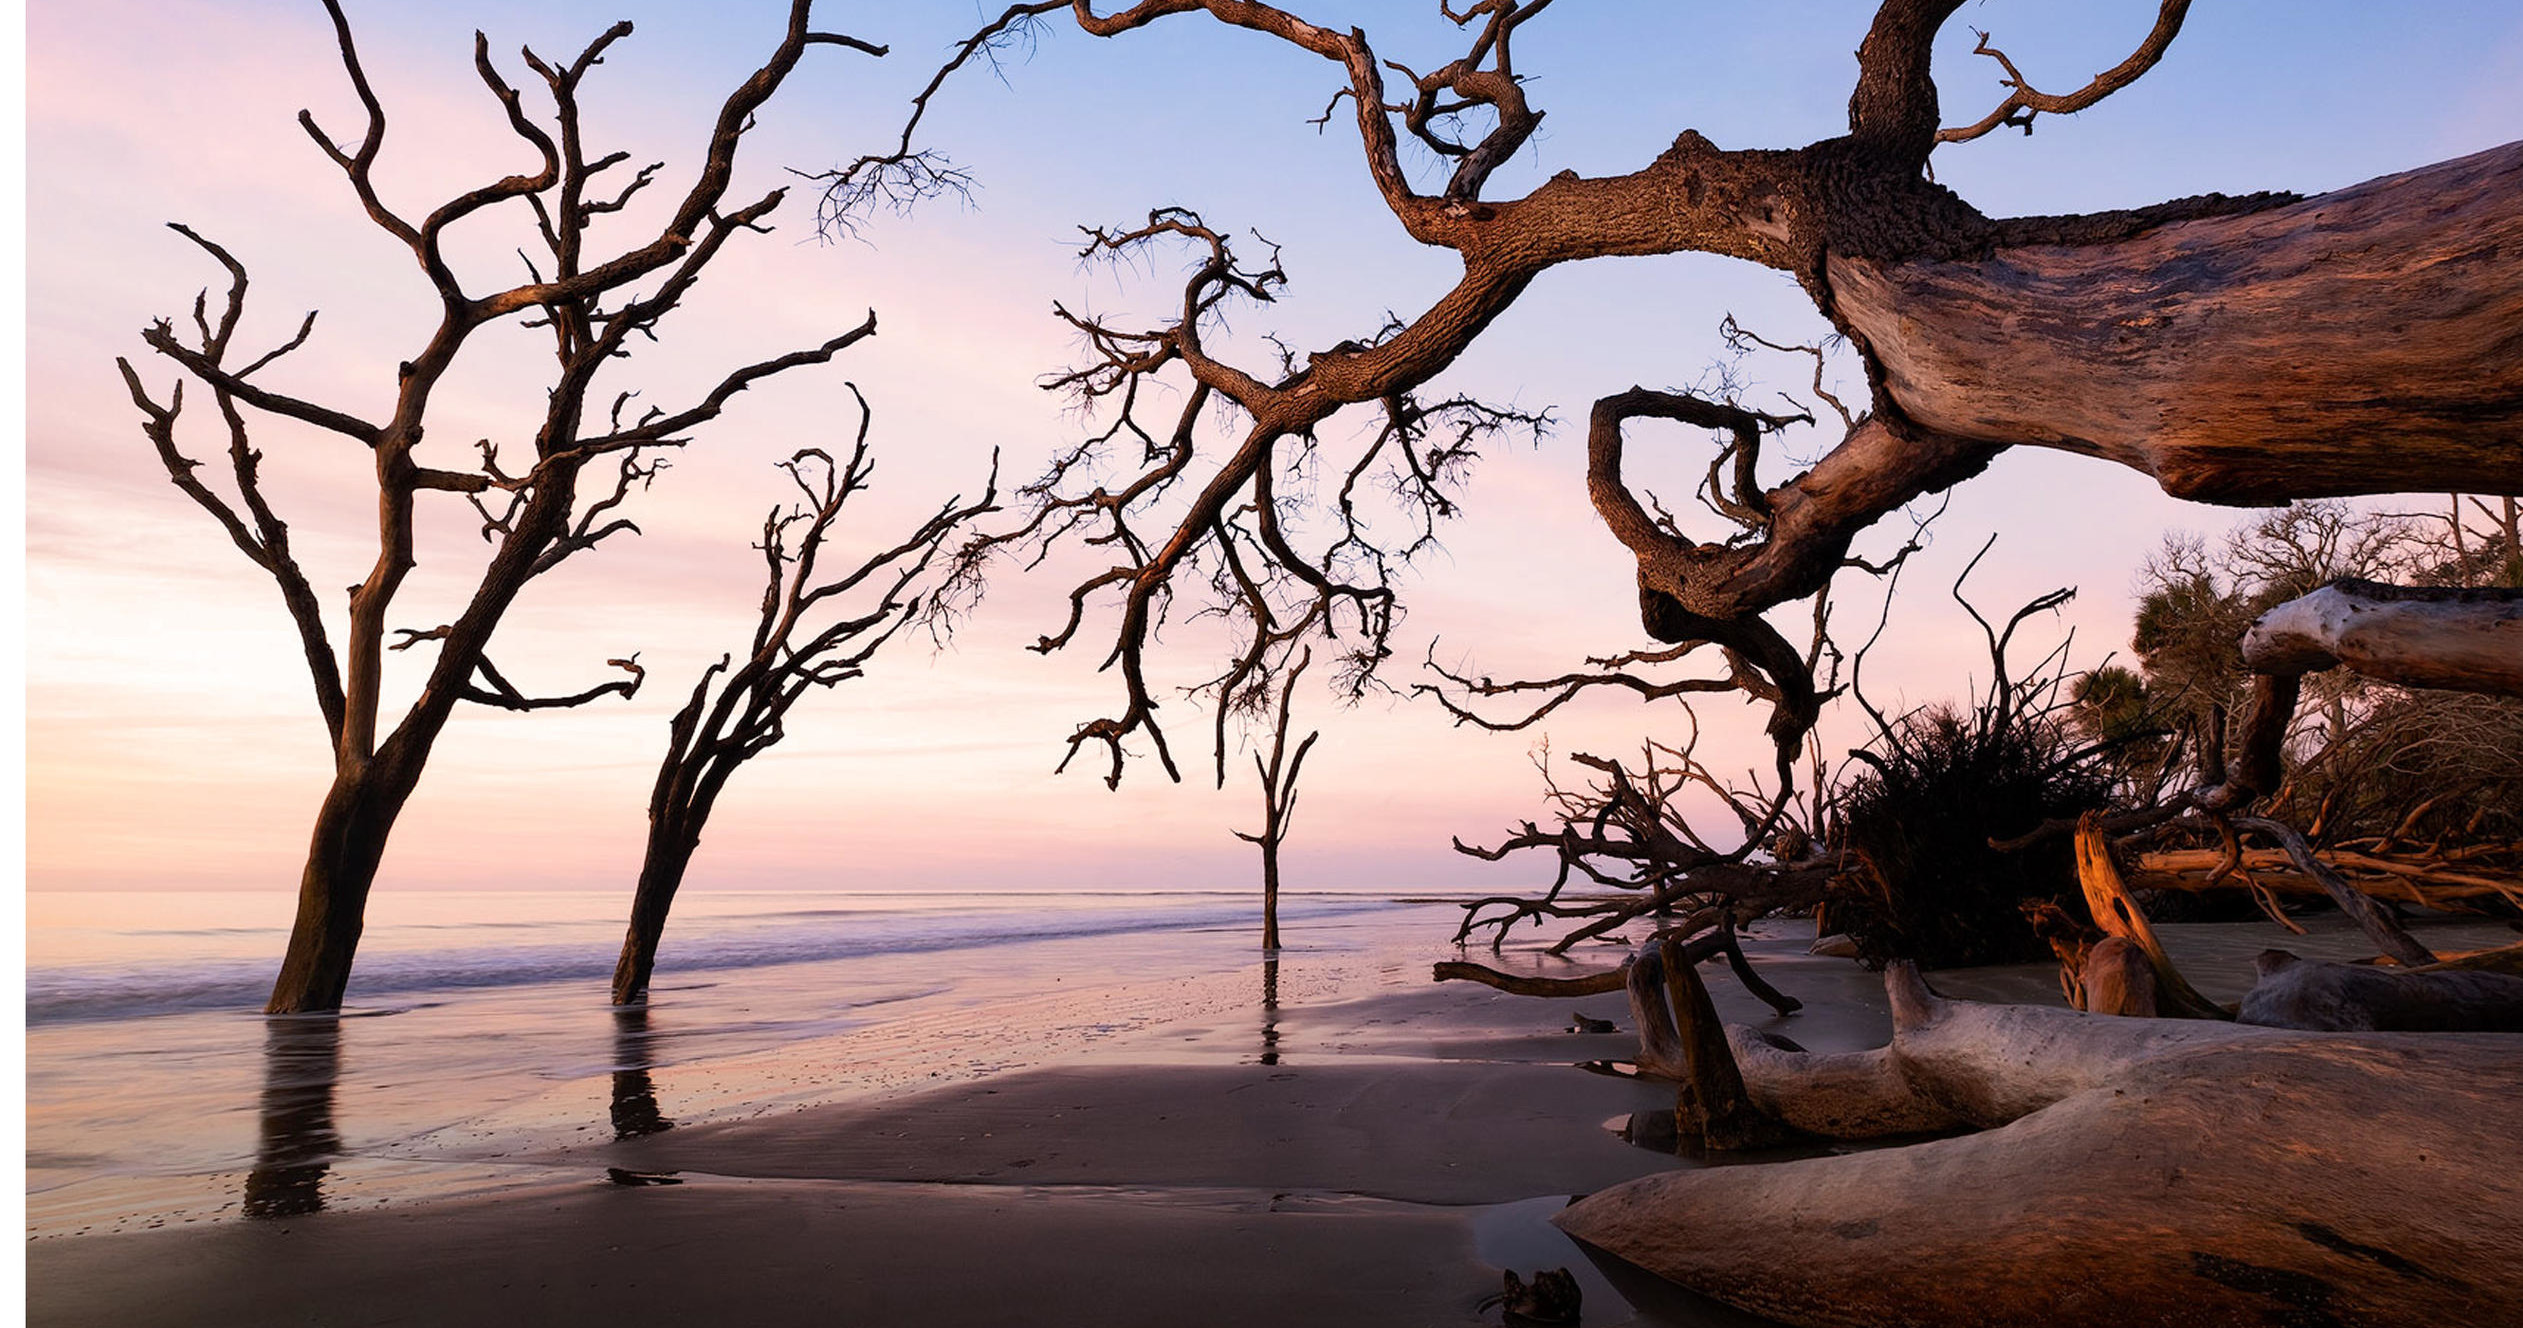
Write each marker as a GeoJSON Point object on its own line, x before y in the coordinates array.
{"type": "Point", "coordinates": [2122, 1172]}
{"type": "Point", "coordinates": [2295, 992]}
{"type": "Point", "coordinates": [1706, 945]}
{"type": "Point", "coordinates": [2469, 640]}
{"type": "Point", "coordinates": [2402, 879]}
{"type": "Point", "coordinates": [2462, 639]}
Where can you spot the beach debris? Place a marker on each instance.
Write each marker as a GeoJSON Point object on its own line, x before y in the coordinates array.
{"type": "Point", "coordinates": [625, 1176]}
{"type": "Point", "coordinates": [1704, 936]}
{"type": "Point", "coordinates": [1651, 1130]}
{"type": "Point", "coordinates": [2096, 1187]}
{"type": "Point", "coordinates": [1519, 984]}
{"type": "Point", "coordinates": [1680, 1039]}
{"type": "Point", "coordinates": [2160, 987]}
{"type": "Point", "coordinates": [1552, 1298]}
{"type": "Point", "coordinates": [2294, 992]}
{"type": "Point", "coordinates": [1837, 945]}
{"type": "Point", "coordinates": [1586, 1023]}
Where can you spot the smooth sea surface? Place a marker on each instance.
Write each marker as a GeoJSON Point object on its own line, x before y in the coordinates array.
{"type": "Point", "coordinates": [477, 1024]}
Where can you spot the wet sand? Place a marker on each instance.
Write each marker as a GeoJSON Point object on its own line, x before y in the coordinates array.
{"type": "Point", "coordinates": [1361, 1146]}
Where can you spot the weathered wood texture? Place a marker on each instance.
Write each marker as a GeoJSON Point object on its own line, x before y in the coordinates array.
{"type": "Point", "coordinates": [2405, 880]}
{"type": "Point", "coordinates": [2118, 978]}
{"type": "Point", "coordinates": [2360, 341]}
{"type": "Point", "coordinates": [2464, 640]}
{"type": "Point", "coordinates": [2129, 1171]}
{"type": "Point", "coordinates": [2295, 992]}
{"type": "Point", "coordinates": [1680, 1038]}
{"type": "Point", "coordinates": [2120, 917]}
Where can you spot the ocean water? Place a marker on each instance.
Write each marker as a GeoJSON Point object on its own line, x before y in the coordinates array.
{"type": "Point", "coordinates": [477, 1030]}
{"type": "Point", "coordinates": [124, 955]}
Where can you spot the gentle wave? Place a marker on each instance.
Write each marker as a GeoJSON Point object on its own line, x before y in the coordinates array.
{"type": "Point", "coordinates": [387, 970]}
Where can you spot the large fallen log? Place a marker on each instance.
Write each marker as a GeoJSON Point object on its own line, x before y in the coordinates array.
{"type": "Point", "coordinates": [2295, 992]}
{"type": "Point", "coordinates": [2125, 1171]}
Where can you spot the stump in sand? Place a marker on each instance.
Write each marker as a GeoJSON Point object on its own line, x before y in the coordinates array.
{"type": "Point", "coordinates": [2125, 1171]}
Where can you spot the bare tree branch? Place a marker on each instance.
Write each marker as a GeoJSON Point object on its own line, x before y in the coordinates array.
{"type": "Point", "coordinates": [2023, 101]}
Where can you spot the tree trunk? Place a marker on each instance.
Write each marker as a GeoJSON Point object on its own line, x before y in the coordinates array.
{"type": "Point", "coordinates": [670, 847]}
{"type": "Point", "coordinates": [2117, 913]}
{"type": "Point", "coordinates": [349, 841]}
{"type": "Point", "coordinates": [1270, 887]}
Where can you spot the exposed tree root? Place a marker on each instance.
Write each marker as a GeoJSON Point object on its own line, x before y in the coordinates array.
{"type": "Point", "coordinates": [2112, 1181]}
{"type": "Point", "coordinates": [2120, 917]}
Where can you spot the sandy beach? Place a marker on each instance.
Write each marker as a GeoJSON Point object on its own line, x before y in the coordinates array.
{"type": "Point", "coordinates": [1344, 1143]}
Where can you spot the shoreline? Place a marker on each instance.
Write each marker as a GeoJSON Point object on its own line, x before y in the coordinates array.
{"type": "Point", "coordinates": [1331, 1138]}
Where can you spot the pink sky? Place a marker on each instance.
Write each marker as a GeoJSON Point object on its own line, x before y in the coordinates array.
{"type": "Point", "coordinates": [171, 739]}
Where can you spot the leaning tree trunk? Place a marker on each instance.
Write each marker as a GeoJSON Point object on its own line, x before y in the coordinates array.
{"type": "Point", "coordinates": [349, 842]}
{"type": "Point", "coordinates": [671, 842]}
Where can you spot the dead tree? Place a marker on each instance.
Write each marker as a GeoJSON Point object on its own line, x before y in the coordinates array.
{"type": "Point", "coordinates": [1278, 778]}
{"type": "Point", "coordinates": [2240, 350]}
{"type": "Point", "coordinates": [1626, 834]}
{"type": "Point", "coordinates": [816, 629]}
{"type": "Point", "coordinates": [596, 304]}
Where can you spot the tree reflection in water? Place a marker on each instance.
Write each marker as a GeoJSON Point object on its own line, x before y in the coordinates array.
{"type": "Point", "coordinates": [635, 1110]}
{"type": "Point", "coordinates": [302, 1060]}
{"type": "Point", "coordinates": [1270, 1011]}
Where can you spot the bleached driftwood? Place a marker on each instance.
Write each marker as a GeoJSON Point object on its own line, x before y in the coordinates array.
{"type": "Point", "coordinates": [2463, 639]}
{"type": "Point", "coordinates": [2125, 1171]}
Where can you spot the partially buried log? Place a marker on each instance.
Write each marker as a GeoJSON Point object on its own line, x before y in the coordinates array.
{"type": "Point", "coordinates": [2294, 992]}
{"type": "Point", "coordinates": [2118, 978]}
{"type": "Point", "coordinates": [2126, 1171]}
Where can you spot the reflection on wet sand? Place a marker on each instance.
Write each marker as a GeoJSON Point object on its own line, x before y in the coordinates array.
{"type": "Point", "coordinates": [1270, 1010]}
{"type": "Point", "coordinates": [635, 1110]}
{"type": "Point", "coordinates": [302, 1061]}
